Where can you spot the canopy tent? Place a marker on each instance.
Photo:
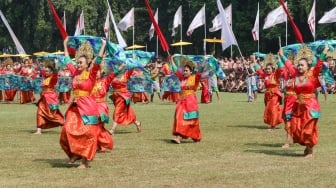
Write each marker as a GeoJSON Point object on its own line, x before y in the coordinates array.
{"type": "Point", "coordinates": [181, 43]}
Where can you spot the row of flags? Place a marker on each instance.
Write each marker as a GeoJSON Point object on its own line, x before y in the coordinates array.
{"type": "Point", "coordinates": [280, 15]}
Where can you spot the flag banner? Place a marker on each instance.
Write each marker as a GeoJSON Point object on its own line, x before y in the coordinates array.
{"type": "Point", "coordinates": [127, 21]}
{"type": "Point", "coordinates": [107, 25]}
{"type": "Point", "coordinates": [275, 17]}
{"type": "Point", "coordinates": [141, 56]}
{"type": "Point", "coordinates": [170, 83]}
{"type": "Point", "coordinates": [211, 66]}
{"type": "Point", "coordinates": [311, 19]}
{"type": "Point", "coordinates": [217, 23]}
{"type": "Point", "coordinates": [17, 43]}
{"type": "Point", "coordinates": [328, 17]}
{"type": "Point", "coordinates": [151, 29]}
{"type": "Point", "coordinates": [163, 42]}
{"type": "Point", "coordinates": [226, 31]}
{"type": "Point", "coordinates": [296, 30]}
{"type": "Point", "coordinates": [120, 39]}
{"type": "Point", "coordinates": [255, 30]}
{"type": "Point", "coordinates": [58, 21]}
{"type": "Point", "coordinates": [317, 47]}
{"type": "Point", "coordinates": [140, 84]}
{"type": "Point", "coordinates": [177, 19]}
{"type": "Point", "coordinates": [80, 25]}
{"type": "Point", "coordinates": [64, 21]}
{"type": "Point", "coordinates": [198, 21]}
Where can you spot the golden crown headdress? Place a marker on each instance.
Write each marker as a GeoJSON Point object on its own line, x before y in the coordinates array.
{"type": "Point", "coordinates": [86, 50]}
{"type": "Point", "coordinates": [304, 53]}
{"type": "Point", "coordinates": [270, 59]}
{"type": "Point", "coordinates": [186, 62]}
{"type": "Point", "coordinates": [8, 61]}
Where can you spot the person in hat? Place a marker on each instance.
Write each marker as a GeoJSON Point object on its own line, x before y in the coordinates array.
{"type": "Point", "coordinates": [306, 109]}
{"type": "Point", "coordinates": [186, 119]}
{"type": "Point", "coordinates": [48, 114]}
{"type": "Point", "coordinates": [79, 133]}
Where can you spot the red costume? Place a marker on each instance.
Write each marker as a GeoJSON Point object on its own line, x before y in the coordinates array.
{"type": "Point", "coordinates": [80, 130]}
{"type": "Point", "coordinates": [48, 115]}
{"type": "Point", "coordinates": [306, 109]}
{"type": "Point", "coordinates": [272, 98]}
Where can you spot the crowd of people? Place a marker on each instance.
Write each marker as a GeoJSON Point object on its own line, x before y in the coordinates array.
{"type": "Point", "coordinates": [85, 88]}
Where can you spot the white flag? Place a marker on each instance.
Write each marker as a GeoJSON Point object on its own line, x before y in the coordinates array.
{"type": "Point", "coordinates": [127, 21]}
{"type": "Point", "coordinates": [120, 39]}
{"type": "Point", "coordinates": [311, 20]}
{"type": "Point", "coordinates": [17, 43]}
{"type": "Point", "coordinates": [177, 19]}
{"type": "Point", "coordinates": [107, 25]}
{"type": "Point", "coordinates": [217, 23]}
{"type": "Point", "coordinates": [151, 29]}
{"type": "Point", "coordinates": [198, 21]}
{"type": "Point", "coordinates": [275, 17]}
{"type": "Point", "coordinates": [328, 17]}
{"type": "Point", "coordinates": [64, 21]}
{"type": "Point", "coordinates": [80, 25]}
{"type": "Point", "coordinates": [255, 30]}
{"type": "Point", "coordinates": [227, 33]}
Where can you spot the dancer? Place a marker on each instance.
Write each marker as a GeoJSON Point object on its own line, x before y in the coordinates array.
{"type": "Point", "coordinates": [48, 114]}
{"type": "Point", "coordinates": [273, 95]}
{"type": "Point", "coordinates": [123, 113]}
{"type": "Point", "coordinates": [306, 109]}
{"type": "Point", "coordinates": [80, 130]}
{"type": "Point", "coordinates": [186, 121]}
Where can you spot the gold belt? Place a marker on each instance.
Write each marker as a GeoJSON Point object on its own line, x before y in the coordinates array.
{"type": "Point", "coordinates": [305, 96]}
{"type": "Point", "coordinates": [80, 93]}
{"type": "Point", "coordinates": [48, 89]}
{"type": "Point", "coordinates": [271, 89]}
{"type": "Point", "coordinates": [290, 93]}
{"type": "Point", "coordinates": [187, 92]}
{"type": "Point", "coordinates": [100, 99]}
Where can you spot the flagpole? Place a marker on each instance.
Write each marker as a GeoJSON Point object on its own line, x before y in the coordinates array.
{"type": "Point", "coordinates": [157, 46]}
{"type": "Point", "coordinates": [231, 27]}
{"type": "Point", "coordinates": [315, 21]}
{"type": "Point", "coordinates": [181, 32]}
{"type": "Point", "coordinates": [286, 29]}
{"type": "Point", "coordinates": [258, 30]}
{"type": "Point", "coordinates": [205, 34]}
{"type": "Point", "coordinates": [83, 22]}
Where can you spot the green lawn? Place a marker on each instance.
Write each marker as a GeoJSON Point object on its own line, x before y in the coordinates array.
{"type": "Point", "coordinates": [237, 150]}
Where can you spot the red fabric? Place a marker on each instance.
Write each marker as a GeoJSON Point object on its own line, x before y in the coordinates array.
{"type": "Point", "coordinates": [123, 113]}
{"type": "Point", "coordinates": [104, 140]}
{"type": "Point", "coordinates": [26, 97]}
{"type": "Point", "coordinates": [64, 97]}
{"type": "Point", "coordinates": [205, 96]}
{"type": "Point", "coordinates": [10, 94]}
{"type": "Point", "coordinates": [139, 97]}
{"type": "Point", "coordinates": [163, 42]}
{"type": "Point", "coordinates": [76, 138]}
{"type": "Point", "coordinates": [60, 25]}
{"type": "Point", "coordinates": [296, 30]}
{"type": "Point", "coordinates": [46, 118]}
{"type": "Point", "coordinates": [170, 96]}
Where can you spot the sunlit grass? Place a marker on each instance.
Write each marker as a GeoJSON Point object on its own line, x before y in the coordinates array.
{"type": "Point", "coordinates": [237, 150]}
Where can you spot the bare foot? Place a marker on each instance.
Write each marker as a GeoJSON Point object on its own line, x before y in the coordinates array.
{"type": "Point", "coordinates": [83, 166]}
{"type": "Point", "coordinates": [177, 140]}
{"type": "Point", "coordinates": [138, 126]}
{"type": "Point", "coordinates": [286, 145]}
{"type": "Point", "coordinates": [37, 133]}
{"type": "Point", "coordinates": [74, 159]}
{"type": "Point", "coordinates": [111, 132]}
{"type": "Point", "coordinates": [310, 155]}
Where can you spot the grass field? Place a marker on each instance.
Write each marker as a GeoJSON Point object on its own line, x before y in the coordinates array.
{"type": "Point", "coordinates": [237, 150]}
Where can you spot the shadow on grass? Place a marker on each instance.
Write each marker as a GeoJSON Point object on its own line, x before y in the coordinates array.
{"type": "Point", "coordinates": [57, 163]}
{"type": "Point", "coordinates": [32, 131]}
{"type": "Point", "coordinates": [251, 126]}
{"type": "Point", "coordinates": [183, 141]}
{"type": "Point", "coordinates": [288, 153]}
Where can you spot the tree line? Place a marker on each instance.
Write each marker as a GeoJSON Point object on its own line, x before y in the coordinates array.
{"type": "Point", "coordinates": [35, 27]}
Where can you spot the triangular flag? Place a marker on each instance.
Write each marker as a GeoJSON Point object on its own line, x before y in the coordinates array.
{"type": "Point", "coordinates": [255, 30]}
{"type": "Point", "coordinates": [80, 25]}
{"type": "Point", "coordinates": [198, 21]}
{"type": "Point", "coordinates": [120, 39]}
{"type": "Point", "coordinates": [275, 17]}
{"type": "Point", "coordinates": [177, 19]}
{"type": "Point", "coordinates": [107, 25]}
{"type": "Point", "coordinates": [217, 22]}
{"type": "Point", "coordinates": [226, 31]}
{"type": "Point", "coordinates": [312, 20]}
{"type": "Point", "coordinates": [127, 21]}
{"type": "Point", "coordinates": [328, 17]}
{"type": "Point", "coordinates": [151, 29]}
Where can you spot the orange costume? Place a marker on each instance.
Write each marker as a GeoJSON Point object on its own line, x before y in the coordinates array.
{"type": "Point", "coordinates": [80, 130]}
{"type": "Point", "coordinates": [48, 115]}
{"type": "Point", "coordinates": [272, 98]}
{"type": "Point", "coordinates": [99, 92]}
{"type": "Point", "coordinates": [186, 122]}
{"type": "Point", "coordinates": [123, 113]}
{"type": "Point", "coordinates": [306, 109]}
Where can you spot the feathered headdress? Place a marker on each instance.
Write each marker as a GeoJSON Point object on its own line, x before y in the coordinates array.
{"type": "Point", "coordinates": [304, 53]}
{"type": "Point", "coordinates": [85, 50]}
